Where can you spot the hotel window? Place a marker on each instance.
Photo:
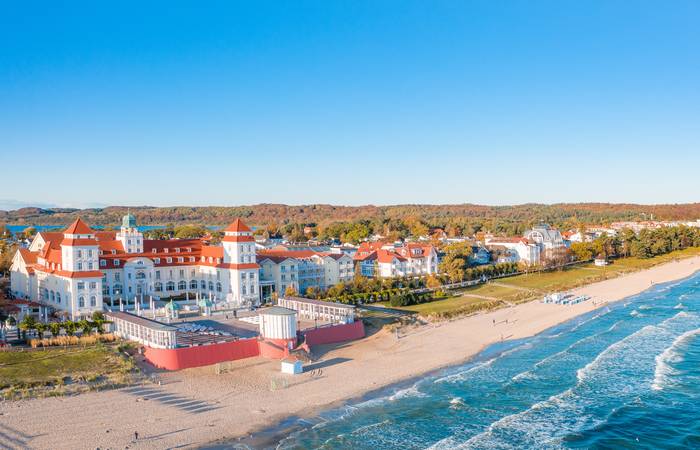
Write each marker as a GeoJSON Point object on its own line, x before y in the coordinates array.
{"type": "Point", "coordinates": [90, 265]}
{"type": "Point", "coordinates": [117, 277]}
{"type": "Point", "coordinates": [93, 301]}
{"type": "Point", "coordinates": [114, 252]}
{"type": "Point", "coordinates": [180, 259]}
{"type": "Point", "coordinates": [81, 302]}
{"type": "Point", "coordinates": [80, 266]}
{"type": "Point", "coordinates": [191, 258]}
{"type": "Point", "coordinates": [80, 253]}
{"type": "Point", "coordinates": [156, 260]}
{"type": "Point", "coordinates": [177, 249]}
{"type": "Point", "coordinates": [116, 262]}
{"type": "Point", "coordinates": [166, 250]}
{"type": "Point", "coordinates": [155, 250]}
{"type": "Point", "coordinates": [182, 273]}
{"type": "Point", "coordinates": [103, 263]}
{"type": "Point", "coordinates": [93, 285]}
{"type": "Point", "coordinates": [168, 260]}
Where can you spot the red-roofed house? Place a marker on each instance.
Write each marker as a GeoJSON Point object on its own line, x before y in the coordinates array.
{"type": "Point", "coordinates": [386, 260]}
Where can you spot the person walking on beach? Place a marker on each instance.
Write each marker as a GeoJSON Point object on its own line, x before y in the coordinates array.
{"type": "Point", "coordinates": [494, 322]}
{"type": "Point", "coordinates": [136, 435]}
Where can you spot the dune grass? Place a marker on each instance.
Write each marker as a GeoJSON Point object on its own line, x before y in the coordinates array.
{"type": "Point", "coordinates": [25, 372]}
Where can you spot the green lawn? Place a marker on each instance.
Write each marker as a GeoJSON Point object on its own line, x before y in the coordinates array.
{"type": "Point", "coordinates": [52, 367]}
{"type": "Point", "coordinates": [530, 286]}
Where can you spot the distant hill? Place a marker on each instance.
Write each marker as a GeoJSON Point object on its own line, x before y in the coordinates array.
{"type": "Point", "coordinates": [264, 214]}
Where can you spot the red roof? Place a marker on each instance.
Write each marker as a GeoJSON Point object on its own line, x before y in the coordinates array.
{"type": "Point", "coordinates": [29, 257]}
{"type": "Point", "coordinates": [78, 227]}
{"type": "Point", "coordinates": [238, 227]}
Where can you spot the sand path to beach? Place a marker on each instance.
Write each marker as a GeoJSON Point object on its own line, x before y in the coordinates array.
{"type": "Point", "coordinates": [197, 406]}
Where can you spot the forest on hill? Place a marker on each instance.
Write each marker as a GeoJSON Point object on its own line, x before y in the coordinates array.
{"type": "Point", "coordinates": [466, 217]}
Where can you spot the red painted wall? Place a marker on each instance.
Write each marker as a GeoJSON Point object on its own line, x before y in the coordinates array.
{"type": "Point", "coordinates": [335, 333]}
{"type": "Point", "coordinates": [203, 355]}
{"type": "Point", "coordinates": [275, 348]}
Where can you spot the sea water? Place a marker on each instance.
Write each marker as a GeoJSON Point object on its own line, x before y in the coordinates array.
{"type": "Point", "coordinates": [624, 376]}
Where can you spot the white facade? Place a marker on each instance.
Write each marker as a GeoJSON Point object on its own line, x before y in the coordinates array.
{"type": "Point", "coordinates": [79, 270]}
{"type": "Point", "coordinates": [521, 250]}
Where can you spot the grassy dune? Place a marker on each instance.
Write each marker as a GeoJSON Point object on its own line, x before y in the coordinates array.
{"type": "Point", "coordinates": [60, 370]}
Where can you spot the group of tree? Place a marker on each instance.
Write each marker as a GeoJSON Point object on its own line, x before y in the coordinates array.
{"type": "Point", "coordinates": [69, 327]}
{"type": "Point", "coordinates": [645, 244]}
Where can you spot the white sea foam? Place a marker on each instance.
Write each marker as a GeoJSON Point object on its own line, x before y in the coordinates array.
{"type": "Point", "coordinates": [679, 306]}
{"type": "Point", "coordinates": [408, 392]}
{"type": "Point", "coordinates": [644, 307]}
{"type": "Point", "coordinates": [456, 402]}
{"type": "Point", "coordinates": [636, 313]}
{"type": "Point", "coordinates": [664, 370]}
{"type": "Point", "coordinates": [462, 375]}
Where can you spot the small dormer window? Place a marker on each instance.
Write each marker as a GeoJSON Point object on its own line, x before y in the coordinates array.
{"type": "Point", "coordinates": [218, 260]}
{"type": "Point", "coordinates": [156, 260]}
{"type": "Point", "coordinates": [169, 260]}
{"type": "Point", "coordinates": [116, 262]}
{"type": "Point", "coordinates": [211, 259]}
{"type": "Point", "coordinates": [189, 249]}
{"type": "Point", "coordinates": [166, 250]}
{"type": "Point", "coordinates": [191, 258]}
{"type": "Point", "coordinates": [103, 263]}
{"type": "Point", "coordinates": [154, 250]}
{"type": "Point", "coordinates": [177, 249]}
{"type": "Point", "coordinates": [180, 259]}
{"type": "Point", "coordinates": [203, 259]}
{"type": "Point", "coordinates": [114, 252]}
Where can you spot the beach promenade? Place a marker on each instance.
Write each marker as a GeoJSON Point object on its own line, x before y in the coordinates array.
{"type": "Point", "coordinates": [197, 406]}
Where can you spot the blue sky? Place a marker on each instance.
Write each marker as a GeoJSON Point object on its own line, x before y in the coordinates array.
{"type": "Point", "coordinates": [349, 102]}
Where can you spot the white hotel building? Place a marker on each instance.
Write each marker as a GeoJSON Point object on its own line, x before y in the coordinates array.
{"type": "Point", "coordinates": [79, 269]}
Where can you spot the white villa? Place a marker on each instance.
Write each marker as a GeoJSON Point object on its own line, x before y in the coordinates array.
{"type": "Point", "coordinates": [79, 269]}
{"type": "Point", "coordinates": [539, 243]}
{"type": "Point", "coordinates": [386, 260]}
{"type": "Point", "coordinates": [519, 249]}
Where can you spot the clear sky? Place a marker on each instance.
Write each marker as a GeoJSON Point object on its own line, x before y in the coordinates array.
{"type": "Point", "coordinates": [349, 102]}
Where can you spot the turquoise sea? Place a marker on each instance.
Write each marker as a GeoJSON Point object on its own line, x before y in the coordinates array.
{"type": "Point", "coordinates": [625, 376]}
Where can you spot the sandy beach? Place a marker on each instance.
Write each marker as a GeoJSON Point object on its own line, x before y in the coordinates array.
{"type": "Point", "coordinates": [198, 406]}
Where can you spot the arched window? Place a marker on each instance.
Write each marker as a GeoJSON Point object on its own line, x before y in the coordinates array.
{"type": "Point", "coordinates": [58, 297]}
{"type": "Point", "coordinates": [158, 286]}
{"type": "Point", "coordinates": [170, 286]}
{"type": "Point", "coordinates": [193, 284]}
{"type": "Point", "coordinates": [44, 294]}
{"type": "Point", "coordinates": [182, 285]}
{"type": "Point", "coordinates": [140, 275]}
{"type": "Point", "coordinates": [117, 289]}
{"type": "Point", "coordinates": [203, 284]}
{"type": "Point", "coordinates": [105, 288]}
{"type": "Point", "coordinates": [243, 290]}
{"type": "Point", "coordinates": [211, 285]}
{"type": "Point", "coordinates": [218, 287]}
{"type": "Point", "coordinates": [93, 301]}
{"type": "Point", "coordinates": [52, 296]}
{"type": "Point", "coordinates": [81, 302]}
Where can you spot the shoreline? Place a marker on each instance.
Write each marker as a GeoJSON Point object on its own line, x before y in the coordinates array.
{"type": "Point", "coordinates": [269, 436]}
{"type": "Point", "coordinates": [242, 403]}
